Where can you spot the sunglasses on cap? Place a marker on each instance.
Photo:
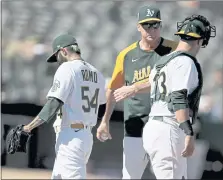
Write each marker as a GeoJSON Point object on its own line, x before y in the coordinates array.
{"type": "Point", "coordinates": [147, 25]}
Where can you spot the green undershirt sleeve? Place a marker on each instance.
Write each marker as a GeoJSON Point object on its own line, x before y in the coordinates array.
{"type": "Point", "coordinates": [50, 109]}
{"type": "Point", "coordinates": [179, 100]}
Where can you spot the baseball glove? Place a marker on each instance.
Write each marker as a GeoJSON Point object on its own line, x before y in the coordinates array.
{"type": "Point", "coordinates": [17, 140]}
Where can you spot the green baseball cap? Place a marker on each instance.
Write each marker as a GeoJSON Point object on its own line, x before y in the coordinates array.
{"type": "Point", "coordinates": [149, 13]}
{"type": "Point", "coordinates": [61, 41]}
{"type": "Point", "coordinates": [194, 29]}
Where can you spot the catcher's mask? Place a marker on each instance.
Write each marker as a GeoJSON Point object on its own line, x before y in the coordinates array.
{"type": "Point", "coordinates": [196, 27]}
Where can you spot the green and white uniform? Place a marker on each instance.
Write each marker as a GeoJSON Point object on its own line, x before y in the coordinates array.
{"type": "Point", "coordinates": [163, 140]}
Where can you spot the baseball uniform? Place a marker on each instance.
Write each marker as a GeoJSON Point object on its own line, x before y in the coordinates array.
{"type": "Point", "coordinates": [163, 140]}
{"type": "Point", "coordinates": [81, 87]}
{"type": "Point", "coordinates": [133, 65]}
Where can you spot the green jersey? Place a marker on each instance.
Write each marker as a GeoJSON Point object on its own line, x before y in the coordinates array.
{"type": "Point", "coordinates": [133, 65]}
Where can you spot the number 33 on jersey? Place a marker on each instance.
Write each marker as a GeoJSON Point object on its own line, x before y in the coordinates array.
{"type": "Point", "coordinates": [161, 79]}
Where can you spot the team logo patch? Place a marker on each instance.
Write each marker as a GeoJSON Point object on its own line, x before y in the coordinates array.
{"type": "Point", "coordinates": [56, 85]}
{"type": "Point", "coordinates": [150, 13]}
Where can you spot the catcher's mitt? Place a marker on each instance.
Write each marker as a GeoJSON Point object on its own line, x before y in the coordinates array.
{"type": "Point", "coordinates": [17, 140]}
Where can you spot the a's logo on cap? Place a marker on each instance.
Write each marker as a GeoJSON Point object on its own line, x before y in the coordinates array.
{"type": "Point", "coordinates": [150, 13]}
{"type": "Point", "coordinates": [58, 46]}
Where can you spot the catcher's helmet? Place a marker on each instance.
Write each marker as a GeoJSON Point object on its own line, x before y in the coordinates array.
{"type": "Point", "coordinates": [196, 27]}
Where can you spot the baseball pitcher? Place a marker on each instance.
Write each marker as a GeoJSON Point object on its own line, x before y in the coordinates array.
{"type": "Point", "coordinates": [77, 91]}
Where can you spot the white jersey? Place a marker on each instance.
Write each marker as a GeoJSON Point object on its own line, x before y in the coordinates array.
{"type": "Point", "coordinates": [81, 87]}
{"type": "Point", "coordinates": [180, 73]}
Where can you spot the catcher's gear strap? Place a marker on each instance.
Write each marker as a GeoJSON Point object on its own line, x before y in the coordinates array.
{"type": "Point", "coordinates": [193, 99]}
{"type": "Point", "coordinates": [50, 109]}
{"type": "Point", "coordinates": [187, 128]}
{"type": "Point", "coordinates": [159, 65]}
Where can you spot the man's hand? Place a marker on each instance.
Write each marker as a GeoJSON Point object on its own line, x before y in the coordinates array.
{"type": "Point", "coordinates": [103, 131]}
{"type": "Point", "coordinates": [189, 146]}
{"type": "Point", "coordinates": [124, 92]}
{"type": "Point", "coordinates": [17, 140]}
{"type": "Point", "coordinates": [26, 129]}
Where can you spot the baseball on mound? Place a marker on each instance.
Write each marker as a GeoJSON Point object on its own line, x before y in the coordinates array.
{"type": "Point", "coordinates": [104, 137]}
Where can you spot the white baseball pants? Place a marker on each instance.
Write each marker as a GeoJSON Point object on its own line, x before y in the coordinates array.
{"type": "Point", "coordinates": [73, 148]}
{"type": "Point", "coordinates": [164, 142]}
{"type": "Point", "coordinates": [134, 158]}
{"type": "Point", "coordinates": [196, 163]}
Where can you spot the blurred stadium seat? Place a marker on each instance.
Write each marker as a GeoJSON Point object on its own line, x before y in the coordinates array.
{"type": "Point", "coordinates": [102, 30]}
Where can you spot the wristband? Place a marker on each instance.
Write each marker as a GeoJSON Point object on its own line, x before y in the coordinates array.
{"type": "Point", "coordinates": [187, 128]}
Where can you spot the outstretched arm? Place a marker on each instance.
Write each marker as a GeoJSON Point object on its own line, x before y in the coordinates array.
{"type": "Point", "coordinates": [127, 91]}
{"type": "Point", "coordinates": [142, 87]}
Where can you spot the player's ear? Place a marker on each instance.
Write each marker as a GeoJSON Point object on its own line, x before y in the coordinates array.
{"type": "Point", "coordinates": [139, 27]}
{"type": "Point", "coordinates": [64, 51]}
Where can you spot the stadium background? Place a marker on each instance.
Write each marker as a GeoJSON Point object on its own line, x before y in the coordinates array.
{"type": "Point", "coordinates": [102, 30]}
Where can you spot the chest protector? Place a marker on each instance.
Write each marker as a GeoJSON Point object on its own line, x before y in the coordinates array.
{"type": "Point", "coordinates": [193, 99]}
